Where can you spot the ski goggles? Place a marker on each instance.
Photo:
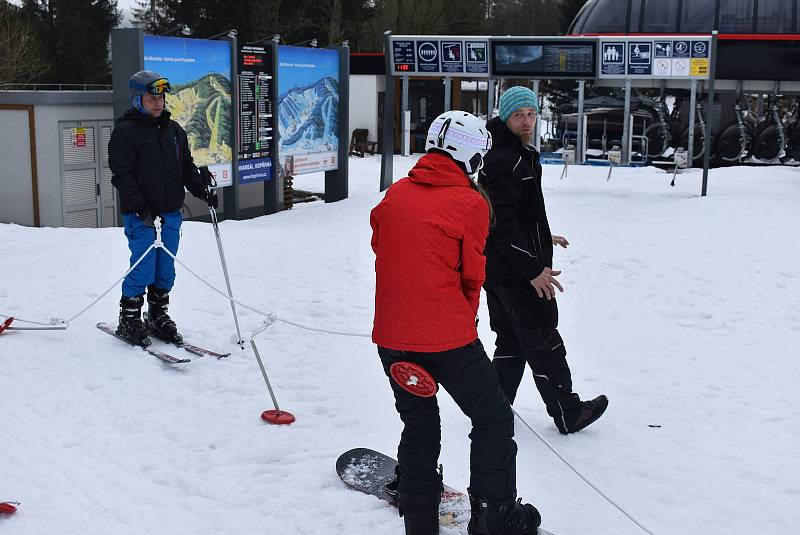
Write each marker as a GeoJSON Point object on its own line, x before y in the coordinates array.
{"type": "Point", "coordinates": [158, 87]}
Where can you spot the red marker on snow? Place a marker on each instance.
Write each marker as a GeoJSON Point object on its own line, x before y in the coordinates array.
{"type": "Point", "coordinates": [277, 417]}
{"type": "Point", "coordinates": [8, 508]}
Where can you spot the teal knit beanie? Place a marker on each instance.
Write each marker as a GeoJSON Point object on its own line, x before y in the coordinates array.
{"type": "Point", "coordinates": [515, 98]}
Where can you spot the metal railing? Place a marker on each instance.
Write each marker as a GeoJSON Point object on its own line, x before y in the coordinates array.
{"type": "Point", "coordinates": [55, 87]}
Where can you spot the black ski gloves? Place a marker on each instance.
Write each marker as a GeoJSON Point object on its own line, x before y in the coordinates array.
{"type": "Point", "coordinates": [212, 198]}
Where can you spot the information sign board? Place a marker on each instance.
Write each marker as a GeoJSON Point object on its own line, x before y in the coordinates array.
{"type": "Point", "coordinates": [256, 118]}
{"type": "Point", "coordinates": [661, 57]}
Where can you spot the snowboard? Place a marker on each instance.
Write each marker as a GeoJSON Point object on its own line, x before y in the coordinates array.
{"type": "Point", "coordinates": [370, 471]}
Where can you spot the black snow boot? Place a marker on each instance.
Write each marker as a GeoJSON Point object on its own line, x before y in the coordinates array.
{"type": "Point", "coordinates": [584, 415]}
{"type": "Point", "coordinates": [420, 512]}
{"type": "Point", "coordinates": [391, 486]}
{"type": "Point", "coordinates": [159, 324]}
{"type": "Point", "coordinates": [131, 326]}
{"type": "Point", "coordinates": [502, 517]}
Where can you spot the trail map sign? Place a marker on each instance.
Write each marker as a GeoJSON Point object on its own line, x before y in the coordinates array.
{"type": "Point", "coordinates": [308, 110]}
{"type": "Point", "coordinates": [201, 74]}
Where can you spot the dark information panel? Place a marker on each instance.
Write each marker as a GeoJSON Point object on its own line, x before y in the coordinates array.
{"type": "Point", "coordinates": [544, 59]}
{"type": "Point", "coordinates": [256, 120]}
{"type": "Point", "coordinates": [758, 60]}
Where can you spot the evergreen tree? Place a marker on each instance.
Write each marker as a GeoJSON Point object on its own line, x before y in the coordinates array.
{"type": "Point", "coordinates": [75, 34]}
{"type": "Point", "coordinates": [152, 16]}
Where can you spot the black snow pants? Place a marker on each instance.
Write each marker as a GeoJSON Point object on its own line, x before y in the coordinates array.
{"type": "Point", "coordinates": [466, 374]}
{"type": "Point", "coordinates": [526, 328]}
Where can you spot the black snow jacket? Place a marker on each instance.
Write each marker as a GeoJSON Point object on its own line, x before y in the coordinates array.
{"type": "Point", "coordinates": [150, 163]}
{"type": "Point", "coordinates": [520, 244]}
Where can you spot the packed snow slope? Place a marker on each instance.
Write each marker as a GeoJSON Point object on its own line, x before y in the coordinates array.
{"type": "Point", "coordinates": [683, 310]}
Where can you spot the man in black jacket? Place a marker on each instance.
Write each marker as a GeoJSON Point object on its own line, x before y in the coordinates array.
{"type": "Point", "coordinates": [520, 282]}
{"type": "Point", "coordinates": [151, 164]}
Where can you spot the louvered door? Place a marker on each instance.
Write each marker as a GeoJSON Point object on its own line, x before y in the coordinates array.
{"type": "Point", "coordinates": [88, 198]}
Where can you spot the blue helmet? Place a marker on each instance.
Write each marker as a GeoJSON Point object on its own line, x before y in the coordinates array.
{"type": "Point", "coordinates": [146, 82]}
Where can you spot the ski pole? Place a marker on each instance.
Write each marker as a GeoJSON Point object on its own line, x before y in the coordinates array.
{"type": "Point", "coordinates": [210, 182]}
{"type": "Point", "coordinates": [276, 416]}
{"type": "Point", "coordinates": [225, 272]}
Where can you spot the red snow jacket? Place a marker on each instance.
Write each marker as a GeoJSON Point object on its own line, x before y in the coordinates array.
{"type": "Point", "coordinates": [428, 234]}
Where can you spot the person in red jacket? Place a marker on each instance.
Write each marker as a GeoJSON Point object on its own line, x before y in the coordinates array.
{"type": "Point", "coordinates": [428, 234]}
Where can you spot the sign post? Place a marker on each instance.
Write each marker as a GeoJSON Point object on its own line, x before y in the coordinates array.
{"type": "Point", "coordinates": [387, 150]}
{"type": "Point", "coordinates": [336, 181]}
{"type": "Point", "coordinates": [710, 119]}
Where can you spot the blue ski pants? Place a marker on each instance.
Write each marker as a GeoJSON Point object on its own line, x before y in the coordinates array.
{"type": "Point", "coordinates": [157, 268]}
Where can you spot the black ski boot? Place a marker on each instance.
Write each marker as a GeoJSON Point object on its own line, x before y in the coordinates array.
{"type": "Point", "coordinates": [420, 512]}
{"type": "Point", "coordinates": [131, 326]}
{"type": "Point", "coordinates": [502, 517]}
{"type": "Point", "coordinates": [584, 415]}
{"type": "Point", "coordinates": [159, 324]}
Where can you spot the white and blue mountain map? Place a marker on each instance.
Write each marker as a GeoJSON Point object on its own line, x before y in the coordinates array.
{"type": "Point", "coordinates": [308, 119]}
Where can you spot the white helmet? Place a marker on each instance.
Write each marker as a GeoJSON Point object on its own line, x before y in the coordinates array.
{"type": "Point", "coordinates": [463, 136]}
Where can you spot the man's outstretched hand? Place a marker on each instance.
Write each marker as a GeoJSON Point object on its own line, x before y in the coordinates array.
{"type": "Point", "coordinates": [545, 282]}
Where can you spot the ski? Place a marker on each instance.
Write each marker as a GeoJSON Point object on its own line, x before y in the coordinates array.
{"type": "Point", "coordinates": [6, 324]}
{"type": "Point", "coordinates": [202, 352]}
{"type": "Point", "coordinates": [169, 359]}
{"type": "Point", "coordinates": [191, 348]}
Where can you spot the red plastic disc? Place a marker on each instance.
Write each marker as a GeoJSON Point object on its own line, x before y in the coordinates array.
{"type": "Point", "coordinates": [8, 508]}
{"type": "Point", "coordinates": [414, 378]}
{"type": "Point", "coordinates": [277, 417]}
{"type": "Point", "coordinates": [5, 324]}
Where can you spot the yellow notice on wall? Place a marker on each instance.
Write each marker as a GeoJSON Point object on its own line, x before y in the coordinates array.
{"type": "Point", "coordinates": [79, 138]}
{"type": "Point", "coordinates": [699, 67]}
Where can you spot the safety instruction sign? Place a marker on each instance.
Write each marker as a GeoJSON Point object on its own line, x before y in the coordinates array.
{"type": "Point", "coordinates": [440, 56]}
{"type": "Point", "coordinates": [79, 138]}
{"type": "Point", "coordinates": [428, 56]}
{"type": "Point", "coordinates": [612, 58]}
{"type": "Point", "coordinates": [477, 57]}
{"type": "Point", "coordinates": [452, 56]}
{"type": "Point", "coordinates": [640, 57]}
{"type": "Point", "coordinates": [662, 57]}
{"type": "Point", "coordinates": [700, 59]}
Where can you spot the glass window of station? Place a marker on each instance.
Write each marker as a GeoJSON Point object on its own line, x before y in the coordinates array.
{"type": "Point", "coordinates": [688, 16]}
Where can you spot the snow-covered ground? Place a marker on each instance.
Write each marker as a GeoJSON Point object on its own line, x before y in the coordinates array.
{"type": "Point", "coordinates": [683, 310]}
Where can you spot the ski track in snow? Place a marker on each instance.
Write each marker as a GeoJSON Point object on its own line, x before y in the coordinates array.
{"type": "Point", "coordinates": [682, 309]}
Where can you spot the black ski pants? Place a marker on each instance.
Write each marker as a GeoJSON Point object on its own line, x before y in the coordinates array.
{"type": "Point", "coordinates": [466, 374]}
{"type": "Point", "coordinates": [526, 329]}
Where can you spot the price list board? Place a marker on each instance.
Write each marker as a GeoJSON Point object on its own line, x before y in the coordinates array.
{"type": "Point", "coordinates": [256, 118]}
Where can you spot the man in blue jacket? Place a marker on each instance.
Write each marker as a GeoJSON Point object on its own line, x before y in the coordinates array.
{"type": "Point", "coordinates": [151, 164]}
{"type": "Point", "coordinates": [520, 282]}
